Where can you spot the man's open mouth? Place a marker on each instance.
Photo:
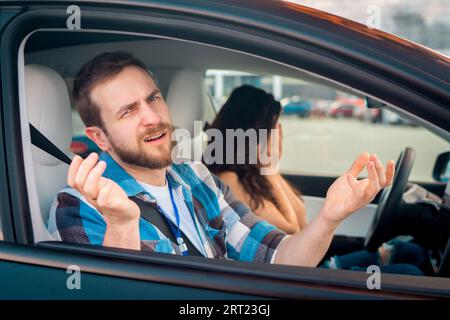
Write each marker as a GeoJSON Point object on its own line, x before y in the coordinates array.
{"type": "Point", "coordinates": [155, 138]}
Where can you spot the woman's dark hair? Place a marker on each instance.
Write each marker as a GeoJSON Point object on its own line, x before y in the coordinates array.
{"type": "Point", "coordinates": [247, 108]}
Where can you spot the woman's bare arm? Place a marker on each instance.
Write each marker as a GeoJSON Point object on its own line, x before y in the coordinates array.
{"type": "Point", "coordinates": [284, 218]}
{"type": "Point", "coordinates": [296, 202]}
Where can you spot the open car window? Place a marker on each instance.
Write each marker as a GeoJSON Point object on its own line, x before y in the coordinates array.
{"type": "Point", "coordinates": [325, 124]}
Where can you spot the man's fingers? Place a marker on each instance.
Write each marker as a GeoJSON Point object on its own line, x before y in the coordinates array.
{"type": "Point", "coordinates": [380, 170]}
{"type": "Point", "coordinates": [374, 184]}
{"type": "Point", "coordinates": [73, 169]}
{"type": "Point", "coordinates": [390, 172]}
{"type": "Point", "coordinates": [84, 169]}
{"type": "Point", "coordinates": [359, 164]}
{"type": "Point", "coordinates": [103, 196]}
{"type": "Point", "coordinates": [353, 183]}
{"type": "Point", "coordinates": [91, 186]}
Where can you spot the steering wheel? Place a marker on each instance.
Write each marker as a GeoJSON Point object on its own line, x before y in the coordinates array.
{"type": "Point", "coordinates": [381, 228]}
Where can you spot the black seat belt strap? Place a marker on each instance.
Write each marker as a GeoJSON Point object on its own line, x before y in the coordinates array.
{"type": "Point", "coordinates": [40, 141]}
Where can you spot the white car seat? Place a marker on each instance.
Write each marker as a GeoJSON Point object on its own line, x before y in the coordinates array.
{"type": "Point", "coordinates": [188, 101]}
{"type": "Point", "coordinates": [49, 111]}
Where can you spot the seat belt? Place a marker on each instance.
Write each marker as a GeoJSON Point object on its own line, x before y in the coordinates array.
{"type": "Point", "coordinates": [148, 212]}
{"type": "Point", "coordinates": [41, 141]}
{"type": "Point", "coordinates": [152, 215]}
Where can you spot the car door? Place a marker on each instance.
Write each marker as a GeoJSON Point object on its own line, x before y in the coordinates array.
{"type": "Point", "coordinates": [308, 44]}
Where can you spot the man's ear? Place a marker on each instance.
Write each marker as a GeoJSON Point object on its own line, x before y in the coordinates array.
{"type": "Point", "coordinates": [99, 137]}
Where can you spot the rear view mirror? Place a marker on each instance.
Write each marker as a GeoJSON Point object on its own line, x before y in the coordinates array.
{"type": "Point", "coordinates": [374, 104]}
{"type": "Point", "coordinates": [441, 171]}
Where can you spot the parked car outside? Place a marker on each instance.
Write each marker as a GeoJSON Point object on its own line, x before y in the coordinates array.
{"type": "Point", "coordinates": [297, 106]}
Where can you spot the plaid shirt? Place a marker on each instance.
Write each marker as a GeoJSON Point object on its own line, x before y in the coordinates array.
{"type": "Point", "coordinates": [231, 229]}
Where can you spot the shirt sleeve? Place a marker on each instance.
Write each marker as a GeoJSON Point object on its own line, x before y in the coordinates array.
{"type": "Point", "coordinates": [249, 238]}
{"type": "Point", "coordinates": [73, 220]}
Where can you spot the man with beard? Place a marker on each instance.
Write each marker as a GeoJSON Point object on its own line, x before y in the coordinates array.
{"type": "Point", "coordinates": [126, 116]}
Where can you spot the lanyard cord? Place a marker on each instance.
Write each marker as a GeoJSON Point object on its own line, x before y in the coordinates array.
{"type": "Point", "coordinates": [176, 231]}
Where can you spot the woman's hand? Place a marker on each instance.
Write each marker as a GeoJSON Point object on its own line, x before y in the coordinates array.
{"type": "Point", "coordinates": [280, 140]}
{"type": "Point", "coordinates": [269, 152]}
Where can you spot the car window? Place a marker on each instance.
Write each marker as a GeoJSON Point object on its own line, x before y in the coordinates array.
{"type": "Point", "coordinates": [325, 128]}
{"type": "Point", "coordinates": [423, 22]}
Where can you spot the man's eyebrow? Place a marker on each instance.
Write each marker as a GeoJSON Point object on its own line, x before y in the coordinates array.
{"type": "Point", "coordinates": [127, 106]}
{"type": "Point", "coordinates": [154, 93]}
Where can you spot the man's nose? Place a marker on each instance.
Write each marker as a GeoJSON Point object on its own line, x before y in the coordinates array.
{"type": "Point", "coordinates": [149, 116]}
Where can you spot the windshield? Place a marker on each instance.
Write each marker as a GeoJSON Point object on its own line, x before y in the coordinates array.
{"type": "Point", "coordinates": [425, 22]}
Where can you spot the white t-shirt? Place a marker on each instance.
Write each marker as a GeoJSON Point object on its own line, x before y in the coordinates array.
{"type": "Point", "coordinates": [162, 196]}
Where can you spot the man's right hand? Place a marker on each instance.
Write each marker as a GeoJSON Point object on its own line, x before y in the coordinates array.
{"type": "Point", "coordinates": [85, 175]}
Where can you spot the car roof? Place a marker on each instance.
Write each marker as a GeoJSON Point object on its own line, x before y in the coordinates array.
{"type": "Point", "coordinates": [289, 18]}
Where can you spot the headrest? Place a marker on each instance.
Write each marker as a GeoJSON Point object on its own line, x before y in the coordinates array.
{"type": "Point", "coordinates": [49, 109]}
{"type": "Point", "coordinates": [185, 98]}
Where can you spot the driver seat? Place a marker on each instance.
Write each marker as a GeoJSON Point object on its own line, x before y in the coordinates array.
{"type": "Point", "coordinates": [49, 111]}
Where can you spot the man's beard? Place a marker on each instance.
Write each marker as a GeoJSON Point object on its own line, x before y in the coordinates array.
{"type": "Point", "coordinates": [158, 160]}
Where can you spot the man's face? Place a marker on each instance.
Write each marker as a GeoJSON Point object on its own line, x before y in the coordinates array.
{"type": "Point", "coordinates": [136, 118]}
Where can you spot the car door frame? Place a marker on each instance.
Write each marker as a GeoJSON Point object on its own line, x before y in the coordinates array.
{"type": "Point", "coordinates": [195, 24]}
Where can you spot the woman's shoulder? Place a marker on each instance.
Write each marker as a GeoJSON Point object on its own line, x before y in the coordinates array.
{"type": "Point", "coordinates": [231, 179]}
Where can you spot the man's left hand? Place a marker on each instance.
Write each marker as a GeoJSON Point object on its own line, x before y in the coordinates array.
{"type": "Point", "coordinates": [347, 194]}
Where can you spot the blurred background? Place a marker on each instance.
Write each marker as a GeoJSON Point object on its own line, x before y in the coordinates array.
{"type": "Point", "coordinates": [426, 22]}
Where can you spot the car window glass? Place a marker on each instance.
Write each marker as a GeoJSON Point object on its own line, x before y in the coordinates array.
{"type": "Point", "coordinates": [325, 128]}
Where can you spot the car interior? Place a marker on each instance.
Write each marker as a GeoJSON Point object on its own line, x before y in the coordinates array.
{"type": "Point", "coordinates": [51, 60]}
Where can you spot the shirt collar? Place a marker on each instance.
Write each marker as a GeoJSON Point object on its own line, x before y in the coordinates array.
{"type": "Point", "coordinates": [131, 187]}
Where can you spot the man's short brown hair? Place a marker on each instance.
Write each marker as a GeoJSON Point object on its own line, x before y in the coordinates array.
{"type": "Point", "coordinates": [95, 71]}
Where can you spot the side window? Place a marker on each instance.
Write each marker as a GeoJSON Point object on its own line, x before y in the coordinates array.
{"type": "Point", "coordinates": [324, 128]}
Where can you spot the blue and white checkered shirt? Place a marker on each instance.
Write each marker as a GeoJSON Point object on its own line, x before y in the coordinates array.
{"type": "Point", "coordinates": [232, 230]}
